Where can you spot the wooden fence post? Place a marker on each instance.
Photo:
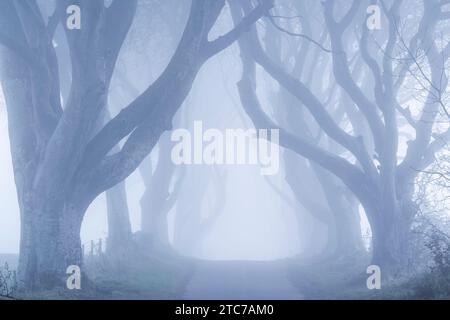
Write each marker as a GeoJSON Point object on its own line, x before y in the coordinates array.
{"type": "Point", "coordinates": [92, 248]}
{"type": "Point", "coordinates": [100, 249]}
{"type": "Point", "coordinates": [14, 284]}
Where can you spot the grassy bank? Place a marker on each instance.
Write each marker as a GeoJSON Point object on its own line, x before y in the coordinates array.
{"type": "Point", "coordinates": [157, 274]}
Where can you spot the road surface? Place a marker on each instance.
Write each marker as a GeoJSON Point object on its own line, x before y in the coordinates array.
{"type": "Point", "coordinates": [240, 280]}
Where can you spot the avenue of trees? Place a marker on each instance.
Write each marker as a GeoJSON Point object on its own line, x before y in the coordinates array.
{"type": "Point", "coordinates": [356, 88]}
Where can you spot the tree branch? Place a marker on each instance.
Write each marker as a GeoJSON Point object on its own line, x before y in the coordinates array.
{"type": "Point", "coordinates": [229, 38]}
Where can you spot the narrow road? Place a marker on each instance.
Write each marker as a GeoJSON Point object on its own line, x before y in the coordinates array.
{"type": "Point", "coordinates": [239, 280]}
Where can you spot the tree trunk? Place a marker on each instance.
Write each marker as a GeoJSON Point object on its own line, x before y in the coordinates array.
{"type": "Point", "coordinates": [155, 202]}
{"type": "Point", "coordinates": [188, 219]}
{"type": "Point", "coordinates": [119, 227]}
{"type": "Point", "coordinates": [27, 255]}
{"type": "Point", "coordinates": [390, 233]}
{"type": "Point", "coordinates": [344, 211]}
{"type": "Point", "coordinates": [55, 245]}
{"type": "Point", "coordinates": [348, 228]}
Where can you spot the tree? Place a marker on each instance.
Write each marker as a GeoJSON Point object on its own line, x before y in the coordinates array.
{"type": "Point", "coordinates": [316, 190]}
{"type": "Point", "coordinates": [383, 183]}
{"type": "Point", "coordinates": [200, 203]}
{"type": "Point", "coordinates": [159, 196]}
{"type": "Point", "coordinates": [59, 167]}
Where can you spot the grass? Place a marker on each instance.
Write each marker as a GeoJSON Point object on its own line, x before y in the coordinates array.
{"type": "Point", "coordinates": [156, 274]}
{"type": "Point", "coordinates": [328, 279]}
{"type": "Point", "coordinates": [345, 279]}
{"type": "Point", "coordinates": [159, 274]}
{"type": "Point", "coordinates": [163, 274]}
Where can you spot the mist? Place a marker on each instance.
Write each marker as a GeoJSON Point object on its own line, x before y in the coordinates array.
{"type": "Point", "coordinates": [211, 149]}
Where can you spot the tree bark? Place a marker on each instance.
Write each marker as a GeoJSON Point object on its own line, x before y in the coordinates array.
{"type": "Point", "coordinates": [56, 242]}
{"type": "Point", "coordinates": [157, 200]}
{"type": "Point", "coordinates": [119, 227]}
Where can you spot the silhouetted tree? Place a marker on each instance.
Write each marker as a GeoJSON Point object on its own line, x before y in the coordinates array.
{"type": "Point", "coordinates": [59, 167]}
{"type": "Point", "coordinates": [382, 181]}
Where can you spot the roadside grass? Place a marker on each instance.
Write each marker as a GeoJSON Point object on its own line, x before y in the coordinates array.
{"type": "Point", "coordinates": [345, 279]}
{"type": "Point", "coordinates": [157, 274]}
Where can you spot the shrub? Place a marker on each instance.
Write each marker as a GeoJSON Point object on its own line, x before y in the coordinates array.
{"type": "Point", "coordinates": [8, 281]}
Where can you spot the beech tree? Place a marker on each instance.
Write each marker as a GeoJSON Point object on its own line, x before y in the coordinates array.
{"type": "Point", "coordinates": [380, 178]}
{"type": "Point", "coordinates": [315, 190]}
{"type": "Point", "coordinates": [160, 195]}
{"type": "Point", "coordinates": [60, 166]}
{"type": "Point", "coordinates": [201, 202]}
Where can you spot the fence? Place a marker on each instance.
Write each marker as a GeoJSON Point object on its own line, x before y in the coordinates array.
{"type": "Point", "coordinates": [8, 281]}
{"type": "Point", "coordinates": [95, 249]}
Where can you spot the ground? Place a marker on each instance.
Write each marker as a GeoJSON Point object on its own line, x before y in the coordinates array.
{"type": "Point", "coordinates": [241, 280]}
{"type": "Point", "coordinates": [167, 275]}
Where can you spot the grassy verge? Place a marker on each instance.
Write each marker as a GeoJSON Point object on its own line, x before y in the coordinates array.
{"type": "Point", "coordinates": [346, 279]}
{"type": "Point", "coordinates": [133, 274]}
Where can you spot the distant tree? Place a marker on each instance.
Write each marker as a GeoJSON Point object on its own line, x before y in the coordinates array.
{"type": "Point", "coordinates": [200, 204]}
{"type": "Point", "coordinates": [316, 190]}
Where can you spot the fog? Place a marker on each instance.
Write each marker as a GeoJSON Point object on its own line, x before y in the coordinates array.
{"type": "Point", "coordinates": [208, 149]}
{"type": "Point", "coordinates": [254, 225]}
